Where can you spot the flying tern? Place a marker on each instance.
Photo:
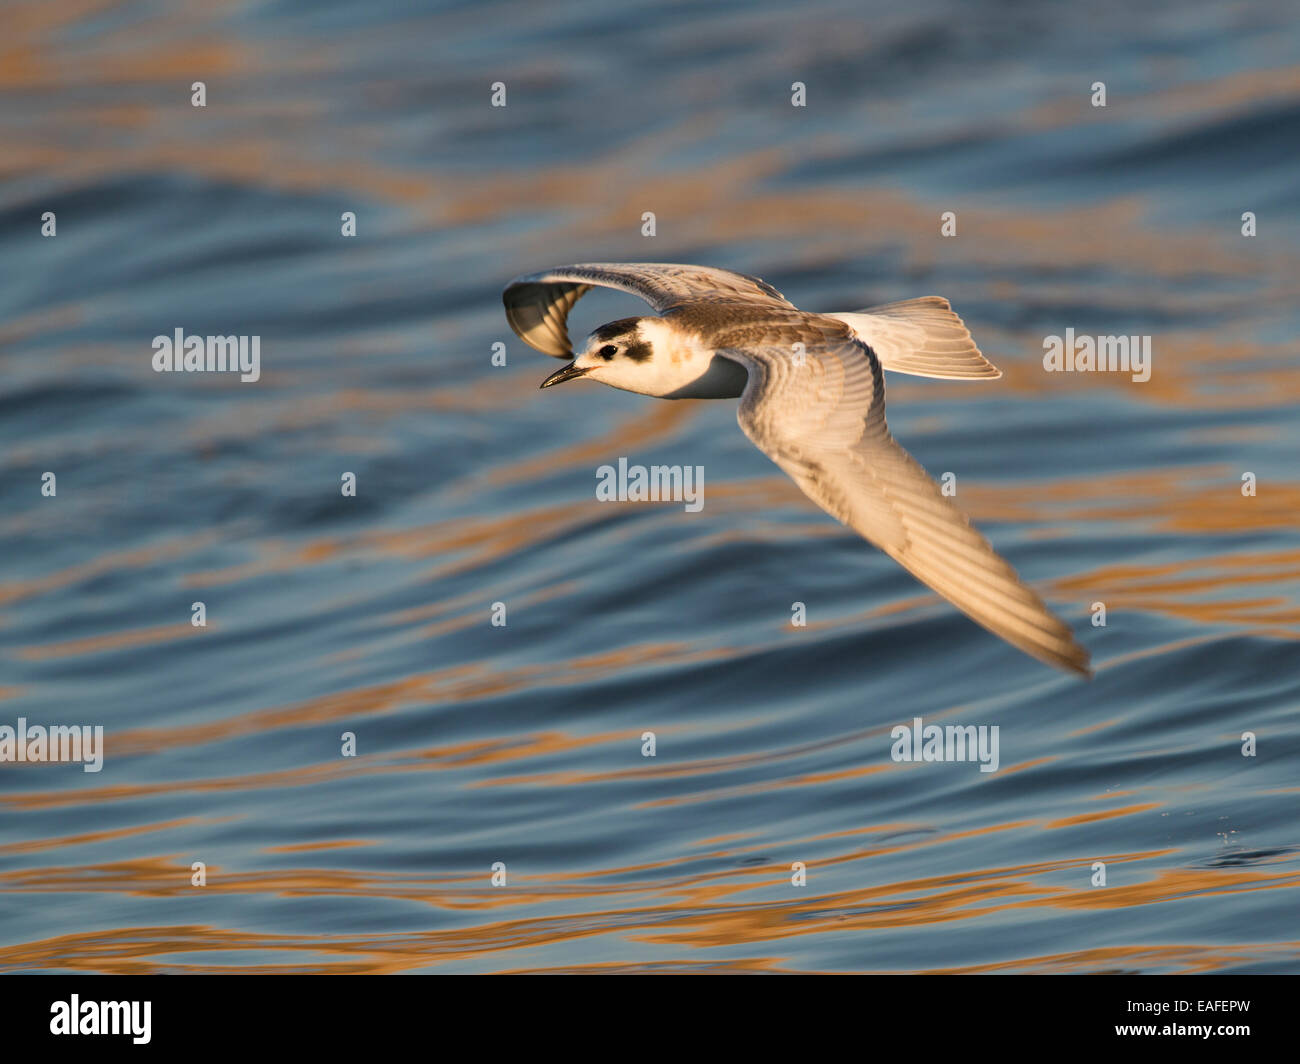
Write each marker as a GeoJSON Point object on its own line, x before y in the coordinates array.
{"type": "Point", "coordinates": [812, 398]}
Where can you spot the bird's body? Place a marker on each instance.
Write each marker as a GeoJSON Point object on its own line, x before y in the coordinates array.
{"type": "Point", "coordinates": [812, 397]}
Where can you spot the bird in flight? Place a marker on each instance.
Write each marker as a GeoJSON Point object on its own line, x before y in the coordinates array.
{"type": "Point", "coordinates": [812, 398]}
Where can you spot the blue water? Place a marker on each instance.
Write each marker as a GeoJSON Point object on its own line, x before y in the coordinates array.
{"type": "Point", "coordinates": [522, 744]}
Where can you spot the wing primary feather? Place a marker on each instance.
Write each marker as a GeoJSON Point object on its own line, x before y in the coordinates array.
{"type": "Point", "coordinates": [538, 304]}
{"type": "Point", "coordinates": [827, 430]}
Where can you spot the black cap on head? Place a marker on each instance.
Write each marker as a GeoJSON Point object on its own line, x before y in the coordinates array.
{"type": "Point", "coordinates": [624, 332]}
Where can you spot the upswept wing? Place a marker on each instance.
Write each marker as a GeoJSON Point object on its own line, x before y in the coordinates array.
{"type": "Point", "coordinates": [538, 304]}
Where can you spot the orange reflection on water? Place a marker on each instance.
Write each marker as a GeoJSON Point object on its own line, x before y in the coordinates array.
{"type": "Point", "coordinates": [712, 908]}
{"type": "Point", "coordinates": [97, 644]}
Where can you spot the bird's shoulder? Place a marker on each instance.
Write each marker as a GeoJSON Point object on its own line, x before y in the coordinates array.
{"type": "Point", "coordinates": [755, 327]}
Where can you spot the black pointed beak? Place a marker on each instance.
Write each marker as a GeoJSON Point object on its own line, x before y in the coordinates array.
{"type": "Point", "coordinates": [568, 373]}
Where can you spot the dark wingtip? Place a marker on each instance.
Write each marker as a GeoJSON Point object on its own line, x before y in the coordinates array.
{"type": "Point", "coordinates": [1080, 664]}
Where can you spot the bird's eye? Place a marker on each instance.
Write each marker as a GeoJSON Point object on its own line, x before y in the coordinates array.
{"type": "Point", "coordinates": [608, 351]}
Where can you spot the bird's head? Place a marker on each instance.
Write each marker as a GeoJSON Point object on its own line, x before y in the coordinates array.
{"type": "Point", "coordinates": [619, 354]}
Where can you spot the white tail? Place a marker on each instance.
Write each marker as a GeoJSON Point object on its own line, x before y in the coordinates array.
{"type": "Point", "coordinates": [922, 337]}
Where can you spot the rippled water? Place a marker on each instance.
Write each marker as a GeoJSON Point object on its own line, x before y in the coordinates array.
{"type": "Point", "coordinates": [522, 744]}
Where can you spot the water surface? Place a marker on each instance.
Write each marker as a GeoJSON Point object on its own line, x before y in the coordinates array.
{"type": "Point", "coordinates": [522, 744]}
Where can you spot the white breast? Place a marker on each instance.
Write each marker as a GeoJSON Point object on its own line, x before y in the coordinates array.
{"type": "Point", "coordinates": [684, 368]}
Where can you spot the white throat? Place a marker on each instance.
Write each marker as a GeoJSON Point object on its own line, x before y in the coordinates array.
{"type": "Point", "coordinates": [680, 367]}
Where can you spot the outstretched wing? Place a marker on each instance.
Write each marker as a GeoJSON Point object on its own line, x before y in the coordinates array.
{"type": "Point", "coordinates": [538, 304]}
{"type": "Point", "coordinates": [821, 418]}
